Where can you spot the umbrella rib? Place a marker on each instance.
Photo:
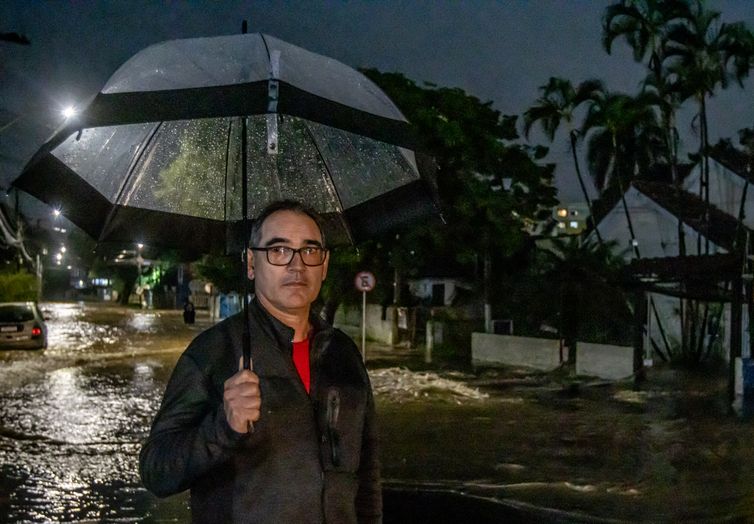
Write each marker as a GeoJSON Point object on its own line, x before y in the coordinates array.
{"type": "Point", "coordinates": [267, 50]}
{"type": "Point", "coordinates": [129, 174]}
{"type": "Point", "coordinates": [227, 168]}
{"type": "Point", "coordinates": [332, 182]}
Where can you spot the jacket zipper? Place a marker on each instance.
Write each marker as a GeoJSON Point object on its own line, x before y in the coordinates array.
{"type": "Point", "coordinates": [313, 390]}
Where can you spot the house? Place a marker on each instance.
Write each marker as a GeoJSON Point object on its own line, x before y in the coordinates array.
{"type": "Point", "coordinates": [730, 178]}
{"type": "Point", "coordinates": [438, 291]}
{"type": "Point", "coordinates": [656, 213]}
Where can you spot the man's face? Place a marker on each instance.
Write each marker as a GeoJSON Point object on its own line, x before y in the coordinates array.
{"type": "Point", "coordinates": [287, 289]}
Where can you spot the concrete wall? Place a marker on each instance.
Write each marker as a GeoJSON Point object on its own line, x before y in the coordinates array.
{"type": "Point", "coordinates": [349, 318]}
{"type": "Point", "coordinates": [495, 350]}
{"type": "Point", "coordinates": [604, 361]}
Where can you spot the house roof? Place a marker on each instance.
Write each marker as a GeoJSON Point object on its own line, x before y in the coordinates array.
{"type": "Point", "coordinates": [691, 277]}
{"type": "Point", "coordinates": [721, 229]}
{"type": "Point", "coordinates": [733, 159]}
{"type": "Point", "coordinates": [657, 174]}
{"type": "Point", "coordinates": [664, 172]}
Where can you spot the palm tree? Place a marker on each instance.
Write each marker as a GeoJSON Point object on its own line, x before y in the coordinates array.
{"type": "Point", "coordinates": [622, 142]}
{"type": "Point", "coordinates": [703, 54]}
{"type": "Point", "coordinates": [689, 54]}
{"type": "Point", "coordinates": [644, 24]}
{"type": "Point", "coordinates": [624, 137]}
{"type": "Point", "coordinates": [557, 104]}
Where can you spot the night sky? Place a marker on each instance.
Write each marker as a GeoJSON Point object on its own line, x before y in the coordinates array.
{"type": "Point", "coordinates": [499, 51]}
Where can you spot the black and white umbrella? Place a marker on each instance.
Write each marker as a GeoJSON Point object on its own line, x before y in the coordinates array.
{"type": "Point", "coordinates": [187, 131]}
{"type": "Point", "coordinates": [191, 137]}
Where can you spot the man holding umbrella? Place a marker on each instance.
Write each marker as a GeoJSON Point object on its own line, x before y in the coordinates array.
{"type": "Point", "coordinates": [291, 441]}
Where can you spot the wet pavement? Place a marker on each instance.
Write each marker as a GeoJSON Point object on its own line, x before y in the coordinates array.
{"type": "Point", "coordinates": [72, 418]}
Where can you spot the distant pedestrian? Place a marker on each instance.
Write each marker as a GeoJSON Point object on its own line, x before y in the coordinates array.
{"type": "Point", "coordinates": [189, 313]}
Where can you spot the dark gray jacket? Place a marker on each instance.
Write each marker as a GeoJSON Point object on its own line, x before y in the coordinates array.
{"type": "Point", "coordinates": [310, 458]}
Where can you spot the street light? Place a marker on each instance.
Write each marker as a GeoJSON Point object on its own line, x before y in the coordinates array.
{"type": "Point", "coordinates": [139, 259]}
{"type": "Point", "coordinates": [69, 112]}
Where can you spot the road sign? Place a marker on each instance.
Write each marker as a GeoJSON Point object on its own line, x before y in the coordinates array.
{"type": "Point", "coordinates": [364, 281]}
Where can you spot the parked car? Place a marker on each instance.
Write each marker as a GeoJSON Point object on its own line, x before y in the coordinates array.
{"type": "Point", "coordinates": [22, 326]}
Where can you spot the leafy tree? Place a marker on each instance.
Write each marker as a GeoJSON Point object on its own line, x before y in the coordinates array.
{"type": "Point", "coordinates": [558, 102]}
{"type": "Point", "coordinates": [477, 157]}
{"type": "Point", "coordinates": [17, 286]}
{"type": "Point", "coordinates": [226, 272]}
{"type": "Point", "coordinates": [592, 306]}
{"type": "Point", "coordinates": [572, 289]}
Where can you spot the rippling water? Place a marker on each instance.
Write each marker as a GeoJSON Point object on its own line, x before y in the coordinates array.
{"type": "Point", "coordinates": [72, 418]}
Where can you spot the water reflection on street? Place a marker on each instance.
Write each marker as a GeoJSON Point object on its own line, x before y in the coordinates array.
{"type": "Point", "coordinates": [72, 418]}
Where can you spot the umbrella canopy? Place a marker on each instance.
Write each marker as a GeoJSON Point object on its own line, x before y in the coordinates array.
{"type": "Point", "coordinates": [161, 154]}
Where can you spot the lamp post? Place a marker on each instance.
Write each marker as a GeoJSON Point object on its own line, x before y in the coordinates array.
{"type": "Point", "coordinates": [139, 246]}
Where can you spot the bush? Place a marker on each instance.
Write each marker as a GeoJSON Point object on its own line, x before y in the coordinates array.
{"type": "Point", "coordinates": [18, 287]}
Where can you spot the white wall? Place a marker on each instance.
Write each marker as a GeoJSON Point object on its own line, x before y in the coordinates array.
{"type": "Point", "coordinates": [349, 318]}
{"type": "Point", "coordinates": [604, 361]}
{"type": "Point", "coordinates": [656, 229]}
{"type": "Point", "coordinates": [495, 350]}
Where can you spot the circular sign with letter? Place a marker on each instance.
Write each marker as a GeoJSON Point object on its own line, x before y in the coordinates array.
{"type": "Point", "coordinates": [364, 281]}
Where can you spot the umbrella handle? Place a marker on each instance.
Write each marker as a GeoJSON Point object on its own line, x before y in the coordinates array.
{"type": "Point", "coordinates": [247, 351]}
{"type": "Point", "coordinates": [247, 364]}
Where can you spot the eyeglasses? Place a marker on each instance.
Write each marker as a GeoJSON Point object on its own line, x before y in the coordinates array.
{"type": "Point", "coordinates": [283, 255]}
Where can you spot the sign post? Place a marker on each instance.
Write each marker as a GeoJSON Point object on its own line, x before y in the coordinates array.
{"type": "Point", "coordinates": [364, 282]}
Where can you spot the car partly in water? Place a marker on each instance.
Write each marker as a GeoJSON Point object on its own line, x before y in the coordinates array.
{"type": "Point", "coordinates": [22, 326]}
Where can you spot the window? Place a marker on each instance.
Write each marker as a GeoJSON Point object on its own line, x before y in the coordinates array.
{"type": "Point", "coordinates": [16, 314]}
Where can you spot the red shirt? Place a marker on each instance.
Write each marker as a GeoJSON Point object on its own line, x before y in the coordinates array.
{"type": "Point", "coordinates": [301, 360]}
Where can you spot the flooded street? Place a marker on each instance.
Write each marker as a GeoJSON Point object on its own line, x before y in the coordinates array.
{"type": "Point", "coordinates": [72, 418]}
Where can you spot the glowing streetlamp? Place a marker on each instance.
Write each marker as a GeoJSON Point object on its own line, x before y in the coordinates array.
{"type": "Point", "coordinates": [140, 246]}
{"type": "Point", "coordinates": [69, 112]}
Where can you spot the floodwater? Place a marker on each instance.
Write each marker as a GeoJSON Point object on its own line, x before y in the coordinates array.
{"type": "Point", "coordinates": [72, 418]}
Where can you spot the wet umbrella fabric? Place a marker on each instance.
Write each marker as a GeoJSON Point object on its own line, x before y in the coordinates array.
{"type": "Point", "coordinates": [157, 156]}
